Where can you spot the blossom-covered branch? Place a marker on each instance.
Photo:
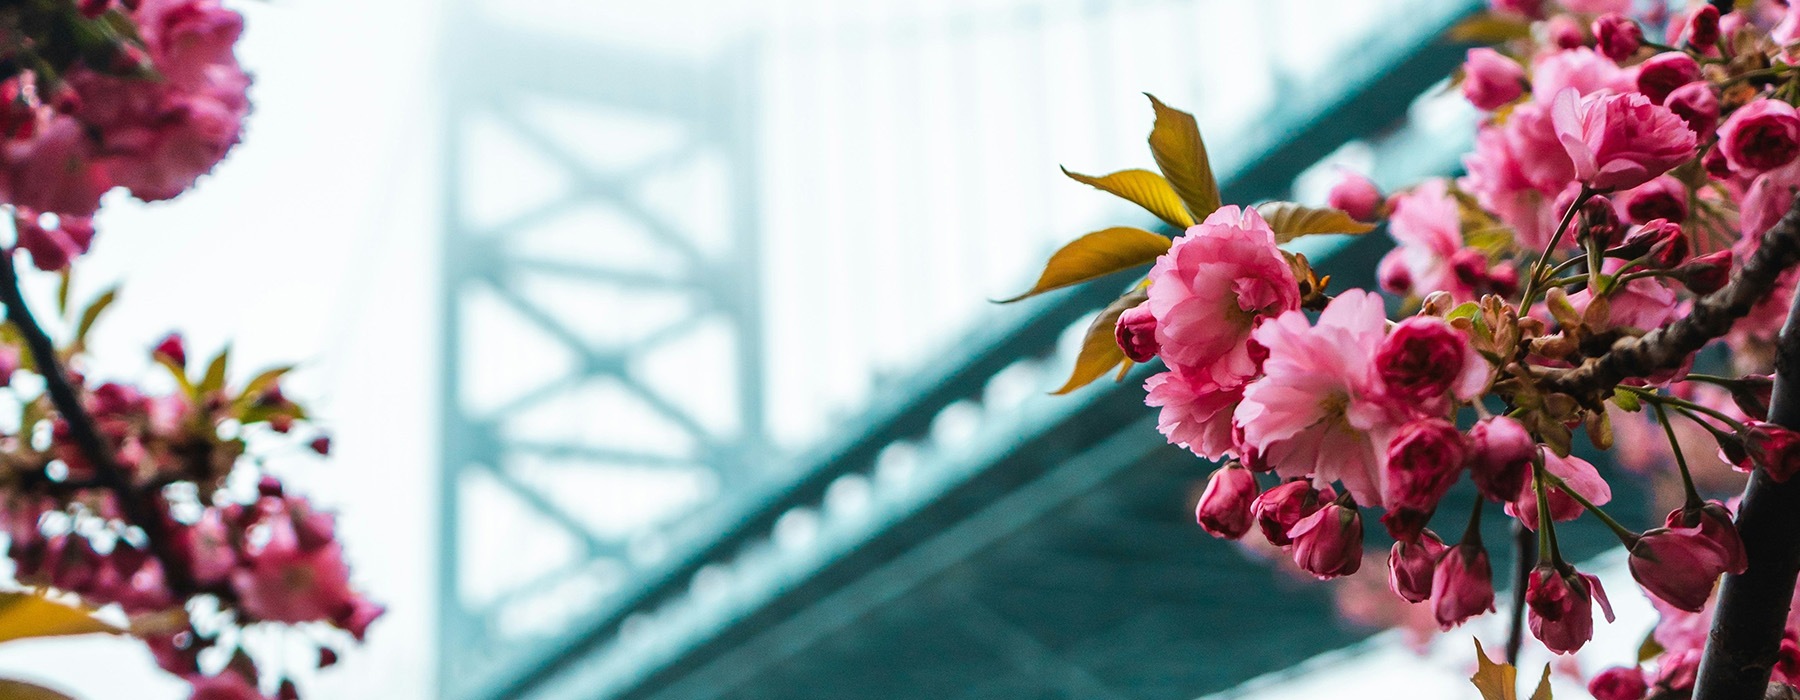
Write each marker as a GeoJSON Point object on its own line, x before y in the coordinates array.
{"type": "Point", "coordinates": [1666, 348]}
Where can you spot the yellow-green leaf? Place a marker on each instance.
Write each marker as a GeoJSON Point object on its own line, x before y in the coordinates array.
{"type": "Point", "coordinates": [1495, 681]}
{"type": "Point", "coordinates": [1650, 649]}
{"type": "Point", "coordinates": [1498, 681]}
{"type": "Point", "coordinates": [1489, 28]}
{"type": "Point", "coordinates": [1143, 188]}
{"type": "Point", "coordinates": [1096, 255]}
{"type": "Point", "coordinates": [259, 385]}
{"type": "Point", "coordinates": [20, 690]}
{"type": "Point", "coordinates": [1100, 351]}
{"type": "Point", "coordinates": [1181, 155]}
{"type": "Point", "coordinates": [29, 615]}
{"type": "Point", "coordinates": [1291, 221]}
{"type": "Point", "coordinates": [214, 379]}
{"type": "Point", "coordinates": [90, 315]}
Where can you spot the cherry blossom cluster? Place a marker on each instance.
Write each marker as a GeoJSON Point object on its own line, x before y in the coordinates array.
{"type": "Point", "coordinates": [1625, 172]}
{"type": "Point", "coordinates": [155, 504]}
{"type": "Point", "coordinates": [145, 95]}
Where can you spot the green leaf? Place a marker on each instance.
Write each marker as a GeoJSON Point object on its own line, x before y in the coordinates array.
{"type": "Point", "coordinates": [179, 373]}
{"type": "Point", "coordinates": [1291, 221]}
{"type": "Point", "coordinates": [30, 615]}
{"type": "Point", "coordinates": [1100, 351]}
{"type": "Point", "coordinates": [1181, 155]}
{"type": "Point", "coordinates": [254, 390]}
{"type": "Point", "coordinates": [90, 315]}
{"type": "Point", "coordinates": [20, 690]}
{"type": "Point", "coordinates": [1143, 188]}
{"type": "Point", "coordinates": [1628, 401]}
{"type": "Point", "coordinates": [1096, 255]}
{"type": "Point", "coordinates": [1468, 309]}
{"type": "Point", "coordinates": [1489, 28]}
{"type": "Point", "coordinates": [214, 380]}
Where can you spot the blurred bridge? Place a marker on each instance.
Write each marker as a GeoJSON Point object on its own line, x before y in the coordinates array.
{"type": "Point", "coordinates": [725, 413]}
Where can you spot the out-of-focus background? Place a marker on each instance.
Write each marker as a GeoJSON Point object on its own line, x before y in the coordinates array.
{"type": "Point", "coordinates": [655, 339]}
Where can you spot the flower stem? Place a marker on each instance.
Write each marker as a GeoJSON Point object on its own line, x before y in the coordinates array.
{"type": "Point", "coordinates": [1655, 398]}
{"type": "Point", "coordinates": [1537, 268]}
{"type": "Point", "coordinates": [1625, 534]}
{"type": "Point", "coordinates": [1687, 477]}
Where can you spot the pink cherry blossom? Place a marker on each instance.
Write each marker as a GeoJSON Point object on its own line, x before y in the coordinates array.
{"type": "Point", "coordinates": [1760, 136]}
{"type": "Point", "coordinates": [1580, 69]}
{"type": "Point", "coordinates": [1410, 566]}
{"type": "Point", "coordinates": [1561, 607]}
{"type": "Point", "coordinates": [1428, 227]}
{"type": "Point", "coordinates": [1319, 411]}
{"type": "Point", "coordinates": [1196, 414]}
{"type": "Point", "coordinates": [1210, 290]}
{"type": "Point", "coordinates": [1462, 586]}
{"type": "Point", "coordinates": [1224, 508]}
{"type": "Point", "coordinates": [1577, 473]}
{"type": "Point", "coordinates": [1619, 141]}
{"type": "Point", "coordinates": [1491, 80]}
{"type": "Point", "coordinates": [1328, 543]}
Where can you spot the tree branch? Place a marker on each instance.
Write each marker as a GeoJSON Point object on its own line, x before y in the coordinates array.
{"type": "Point", "coordinates": [137, 506]}
{"type": "Point", "coordinates": [1752, 611]}
{"type": "Point", "coordinates": [1524, 558]}
{"type": "Point", "coordinates": [1713, 315]}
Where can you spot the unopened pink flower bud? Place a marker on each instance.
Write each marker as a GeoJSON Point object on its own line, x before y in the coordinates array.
{"type": "Point", "coordinates": [1328, 543]}
{"type": "Point", "coordinates": [1760, 136]}
{"type": "Point", "coordinates": [1752, 393]}
{"type": "Point", "coordinates": [1600, 222]}
{"type": "Point", "coordinates": [1619, 683]}
{"type": "Point", "coordinates": [1410, 566]}
{"type": "Point", "coordinates": [1659, 240]}
{"type": "Point", "coordinates": [1663, 73]}
{"type": "Point", "coordinates": [1421, 359]}
{"type": "Point", "coordinates": [1617, 36]}
{"type": "Point", "coordinates": [1499, 457]}
{"type": "Point", "coordinates": [1774, 449]}
{"type": "Point", "coordinates": [1423, 461]}
{"type": "Point", "coordinates": [1224, 509]}
{"type": "Point", "coordinates": [1677, 565]}
{"type": "Point", "coordinates": [1491, 80]}
{"type": "Point", "coordinates": [172, 349]}
{"type": "Point", "coordinates": [1703, 27]}
{"type": "Point", "coordinates": [1662, 198]}
{"type": "Point", "coordinates": [1562, 607]}
{"type": "Point", "coordinates": [1136, 333]}
{"type": "Point", "coordinates": [1565, 32]}
{"type": "Point", "coordinates": [1707, 273]}
{"type": "Point", "coordinates": [1462, 586]}
{"type": "Point", "coordinates": [321, 445]}
{"type": "Point", "coordinates": [1696, 104]}
{"type": "Point", "coordinates": [1278, 509]}
{"type": "Point", "coordinates": [1528, 9]}
{"type": "Point", "coordinates": [1355, 195]}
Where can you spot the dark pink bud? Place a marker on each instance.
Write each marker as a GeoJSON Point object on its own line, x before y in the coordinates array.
{"type": "Point", "coordinates": [1565, 32]}
{"type": "Point", "coordinates": [1136, 333]}
{"type": "Point", "coordinates": [1696, 104]}
{"type": "Point", "coordinates": [327, 657]}
{"type": "Point", "coordinates": [1278, 509]}
{"type": "Point", "coordinates": [1470, 266]}
{"type": "Point", "coordinates": [1528, 9]}
{"type": "Point", "coordinates": [1760, 136]}
{"type": "Point", "coordinates": [1662, 198]}
{"type": "Point", "coordinates": [1462, 586]}
{"type": "Point", "coordinates": [1707, 273]}
{"type": "Point", "coordinates": [287, 691]}
{"type": "Point", "coordinates": [1664, 72]}
{"type": "Point", "coordinates": [1562, 607]}
{"type": "Point", "coordinates": [1355, 195]}
{"type": "Point", "coordinates": [357, 618]}
{"type": "Point", "coordinates": [1715, 164]}
{"type": "Point", "coordinates": [1715, 523]}
{"type": "Point", "coordinates": [269, 486]}
{"type": "Point", "coordinates": [1703, 27]}
{"type": "Point", "coordinates": [1617, 36]}
{"type": "Point", "coordinates": [1224, 509]}
{"type": "Point", "coordinates": [1503, 278]}
{"type": "Point", "coordinates": [1677, 670]}
{"type": "Point", "coordinates": [1774, 449]}
{"type": "Point", "coordinates": [172, 349]}
{"type": "Point", "coordinates": [1491, 80]}
{"type": "Point", "coordinates": [1678, 566]}
{"type": "Point", "coordinates": [321, 445]}
{"type": "Point", "coordinates": [1662, 242]}
{"type": "Point", "coordinates": [92, 9]}
{"type": "Point", "coordinates": [1499, 457]}
{"type": "Point", "coordinates": [1393, 276]}
{"type": "Point", "coordinates": [1328, 543]}
{"type": "Point", "coordinates": [1421, 359]}
{"type": "Point", "coordinates": [1423, 460]}
{"type": "Point", "coordinates": [126, 559]}
{"type": "Point", "coordinates": [1600, 222]}
{"type": "Point", "coordinates": [1410, 566]}
{"type": "Point", "coordinates": [1619, 683]}
{"type": "Point", "coordinates": [20, 110]}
